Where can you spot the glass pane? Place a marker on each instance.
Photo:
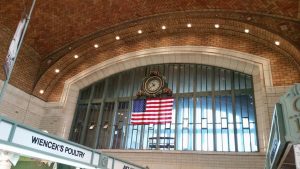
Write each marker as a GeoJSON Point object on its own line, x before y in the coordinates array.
{"type": "Point", "coordinates": [175, 78]}
{"type": "Point", "coordinates": [98, 91]}
{"type": "Point", "coordinates": [228, 79]}
{"type": "Point", "coordinates": [106, 126]}
{"type": "Point", "coordinates": [248, 82]}
{"type": "Point", "coordinates": [186, 77]}
{"type": "Point", "coordinates": [112, 86]}
{"type": "Point", "coordinates": [217, 79]}
{"type": "Point", "coordinates": [85, 93]}
{"type": "Point", "coordinates": [78, 123]}
{"type": "Point", "coordinates": [91, 125]}
{"type": "Point", "coordinates": [204, 79]}
{"type": "Point", "coordinates": [209, 78]}
{"type": "Point", "coordinates": [191, 78]}
{"type": "Point", "coordinates": [198, 110]}
{"type": "Point", "coordinates": [126, 86]}
{"type": "Point", "coordinates": [219, 140]}
{"type": "Point", "coordinates": [242, 81]}
{"type": "Point", "coordinates": [182, 82]}
{"type": "Point", "coordinates": [120, 122]}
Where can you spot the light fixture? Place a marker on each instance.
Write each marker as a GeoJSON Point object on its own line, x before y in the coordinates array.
{"type": "Point", "coordinates": [277, 43]}
{"type": "Point", "coordinates": [246, 30]}
{"type": "Point", "coordinates": [217, 25]}
{"type": "Point", "coordinates": [189, 25]}
{"type": "Point", "coordinates": [41, 91]}
{"type": "Point", "coordinates": [96, 45]}
{"type": "Point", "coordinates": [76, 56]}
{"type": "Point", "coordinates": [140, 31]}
{"type": "Point", "coordinates": [105, 126]}
{"type": "Point", "coordinates": [56, 70]}
{"type": "Point", "coordinates": [117, 37]}
{"type": "Point", "coordinates": [163, 27]}
{"type": "Point", "coordinates": [92, 126]}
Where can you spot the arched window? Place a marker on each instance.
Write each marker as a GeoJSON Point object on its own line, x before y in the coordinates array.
{"type": "Point", "coordinates": [213, 111]}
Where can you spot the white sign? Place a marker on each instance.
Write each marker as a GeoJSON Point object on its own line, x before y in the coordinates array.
{"type": "Point", "coordinates": [47, 144]}
{"type": "Point", "coordinates": [297, 155]}
{"type": "Point", "coordinates": [121, 165]}
{"type": "Point", "coordinates": [5, 130]}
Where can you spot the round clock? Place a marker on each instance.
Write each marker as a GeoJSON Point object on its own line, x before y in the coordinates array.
{"type": "Point", "coordinates": [153, 84]}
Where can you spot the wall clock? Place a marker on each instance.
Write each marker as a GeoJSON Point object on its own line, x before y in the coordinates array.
{"type": "Point", "coordinates": [153, 85]}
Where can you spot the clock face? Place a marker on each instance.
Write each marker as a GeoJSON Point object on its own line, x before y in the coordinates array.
{"type": "Point", "coordinates": [153, 84]}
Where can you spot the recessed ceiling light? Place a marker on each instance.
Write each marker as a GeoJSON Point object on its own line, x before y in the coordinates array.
{"type": "Point", "coordinates": [246, 30]}
{"type": "Point", "coordinates": [189, 25]}
{"type": "Point", "coordinates": [96, 45]}
{"type": "Point", "coordinates": [277, 43]}
{"type": "Point", "coordinates": [56, 70]}
{"type": "Point", "coordinates": [41, 91]}
{"type": "Point", "coordinates": [76, 56]}
{"type": "Point", "coordinates": [140, 31]}
{"type": "Point", "coordinates": [163, 27]}
{"type": "Point", "coordinates": [117, 37]}
{"type": "Point", "coordinates": [217, 25]}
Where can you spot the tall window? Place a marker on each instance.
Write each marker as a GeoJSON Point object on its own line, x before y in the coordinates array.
{"type": "Point", "coordinates": [213, 111]}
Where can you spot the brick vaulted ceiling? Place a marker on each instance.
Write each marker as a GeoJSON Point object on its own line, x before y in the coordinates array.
{"type": "Point", "coordinates": [61, 28]}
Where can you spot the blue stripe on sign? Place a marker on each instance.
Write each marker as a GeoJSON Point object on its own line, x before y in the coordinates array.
{"type": "Point", "coordinates": [139, 105]}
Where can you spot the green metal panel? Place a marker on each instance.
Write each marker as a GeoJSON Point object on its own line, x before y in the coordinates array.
{"type": "Point", "coordinates": [291, 107]}
{"type": "Point", "coordinates": [285, 127]}
{"type": "Point", "coordinates": [277, 141]}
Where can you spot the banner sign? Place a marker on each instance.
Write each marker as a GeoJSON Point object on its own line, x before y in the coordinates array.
{"type": "Point", "coordinates": [46, 144]}
{"type": "Point", "coordinates": [14, 48]}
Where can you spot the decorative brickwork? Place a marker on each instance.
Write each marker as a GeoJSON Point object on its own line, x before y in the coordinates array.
{"type": "Point", "coordinates": [279, 64]}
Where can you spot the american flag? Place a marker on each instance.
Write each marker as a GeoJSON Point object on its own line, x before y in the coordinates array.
{"type": "Point", "coordinates": [152, 111]}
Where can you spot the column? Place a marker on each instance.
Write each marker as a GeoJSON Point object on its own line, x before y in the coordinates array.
{"type": "Point", "coordinates": [7, 159]}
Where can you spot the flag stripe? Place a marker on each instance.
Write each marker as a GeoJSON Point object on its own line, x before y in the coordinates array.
{"type": "Point", "coordinates": [148, 120]}
{"type": "Point", "coordinates": [154, 112]}
{"type": "Point", "coordinates": [151, 114]}
{"type": "Point", "coordinates": [152, 117]}
{"type": "Point", "coordinates": [145, 123]}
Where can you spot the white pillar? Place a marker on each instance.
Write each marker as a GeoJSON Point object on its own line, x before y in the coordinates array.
{"type": "Point", "coordinates": [8, 159]}
{"type": "Point", "coordinates": [4, 160]}
{"type": "Point", "coordinates": [5, 164]}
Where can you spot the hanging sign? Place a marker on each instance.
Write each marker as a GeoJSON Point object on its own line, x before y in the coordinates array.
{"type": "Point", "coordinates": [47, 144]}
{"type": "Point", "coordinates": [14, 48]}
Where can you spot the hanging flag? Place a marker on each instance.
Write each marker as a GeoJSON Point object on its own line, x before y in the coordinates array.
{"type": "Point", "coordinates": [152, 111]}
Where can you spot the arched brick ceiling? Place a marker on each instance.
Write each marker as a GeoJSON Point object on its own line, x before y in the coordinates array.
{"type": "Point", "coordinates": [230, 35]}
